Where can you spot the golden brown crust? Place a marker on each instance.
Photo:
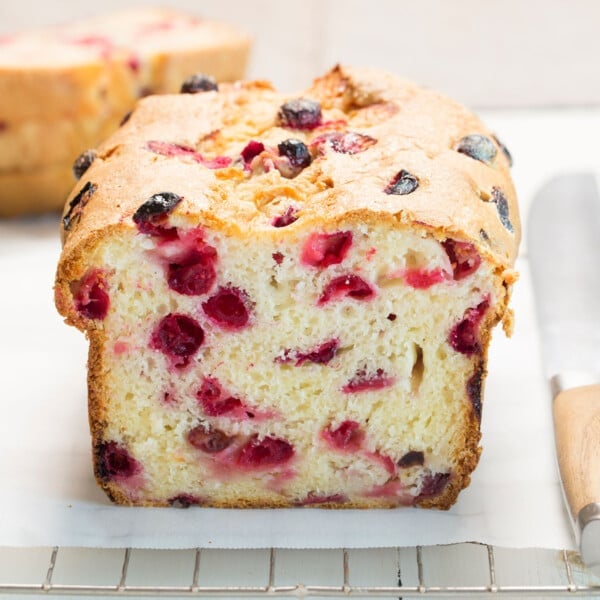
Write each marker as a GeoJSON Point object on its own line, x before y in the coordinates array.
{"type": "Point", "coordinates": [420, 138]}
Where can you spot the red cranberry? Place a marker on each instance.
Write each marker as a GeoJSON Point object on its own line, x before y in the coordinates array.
{"type": "Point", "coordinates": [320, 355]}
{"type": "Point", "coordinates": [82, 163]}
{"type": "Point", "coordinates": [433, 484]}
{"type": "Point", "coordinates": [199, 82]}
{"type": "Point", "coordinates": [325, 249]}
{"type": "Point", "coordinates": [421, 279]}
{"type": "Point", "coordinates": [392, 317]}
{"type": "Point", "coordinates": [210, 441]}
{"type": "Point", "coordinates": [464, 336]}
{"type": "Point", "coordinates": [278, 257]}
{"type": "Point", "coordinates": [185, 501]}
{"type": "Point", "coordinates": [227, 308]}
{"type": "Point", "coordinates": [115, 462]}
{"type": "Point", "coordinates": [351, 286]}
{"type": "Point", "coordinates": [348, 436]}
{"type": "Point", "coordinates": [268, 452]}
{"type": "Point", "coordinates": [363, 381]}
{"type": "Point", "coordinates": [463, 256]}
{"type": "Point", "coordinates": [287, 218]}
{"type": "Point", "coordinates": [343, 142]}
{"type": "Point", "coordinates": [477, 147]}
{"type": "Point", "coordinates": [313, 498]}
{"type": "Point", "coordinates": [300, 113]}
{"type": "Point", "coordinates": [77, 204]}
{"type": "Point", "coordinates": [414, 458]}
{"type": "Point", "coordinates": [194, 274]}
{"type": "Point", "coordinates": [177, 336]}
{"type": "Point", "coordinates": [210, 396]}
{"type": "Point", "coordinates": [170, 149]}
{"type": "Point", "coordinates": [90, 298]}
{"type": "Point", "coordinates": [251, 150]}
{"type": "Point", "coordinates": [403, 183]}
{"type": "Point", "coordinates": [474, 386]}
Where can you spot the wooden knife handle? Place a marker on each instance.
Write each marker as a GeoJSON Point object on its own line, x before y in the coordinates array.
{"type": "Point", "coordinates": [577, 430]}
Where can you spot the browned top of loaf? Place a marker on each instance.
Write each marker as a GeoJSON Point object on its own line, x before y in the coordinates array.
{"type": "Point", "coordinates": [415, 129]}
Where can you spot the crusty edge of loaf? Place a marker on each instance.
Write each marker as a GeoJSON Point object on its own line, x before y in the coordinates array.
{"type": "Point", "coordinates": [72, 267]}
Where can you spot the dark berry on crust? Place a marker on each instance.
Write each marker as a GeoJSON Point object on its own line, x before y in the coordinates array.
{"type": "Point", "coordinates": [403, 183]}
{"type": "Point", "coordinates": [184, 501]}
{"type": "Point", "coordinates": [125, 118]}
{"type": "Point", "coordinates": [499, 199]}
{"type": "Point", "coordinates": [296, 151]}
{"type": "Point", "coordinates": [156, 207]}
{"type": "Point", "coordinates": [287, 218]}
{"type": "Point", "coordinates": [82, 163]}
{"type": "Point", "coordinates": [300, 113]}
{"type": "Point", "coordinates": [505, 151]}
{"type": "Point", "coordinates": [77, 204]}
{"type": "Point", "coordinates": [478, 147]}
{"type": "Point", "coordinates": [199, 82]}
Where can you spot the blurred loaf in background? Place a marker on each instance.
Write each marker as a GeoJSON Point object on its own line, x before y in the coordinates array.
{"type": "Point", "coordinates": [63, 89]}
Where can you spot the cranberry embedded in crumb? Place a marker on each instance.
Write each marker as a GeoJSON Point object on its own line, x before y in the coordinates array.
{"type": "Point", "coordinates": [227, 308]}
{"type": "Point", "coordinates": [184, 501]}
{"type": "Point", "coordinates": [421, 279]}
{"type": "Point", "coordinates": [464, 336]}
{"type": "Point", "coordinates": [268, 452]}
{"type": "Point", "coordinates": [194, 274]}
{"type": "Point", "coordinates": [474, 386]}
{"type": "Point", "coordinates": [325, 249]}
{"type": "Point", "coordinates": [199, 82]}
{"type": "Point", "coordinates": [210, 396]}
{"type": "Point", "coordinates": [287, 218]}
{"type": "Point", "coordinates": [314, 498]}
{"type": "Point", "coordinates": [413, 458]}
{"type": "Point", "coordinates": [463, 256]}
{"type": "Point", "coordinates": [321, 355]}
{"type": "Point", "coordinates": [433, 484]}
{"type": "Point", "coordinates": [177, 336]}
{"type": "Point", "coordinates": [116, 462]}
{"type": "Point", "coordinates": [209, 440]}
{"type": "Point", "coordinates": [90, 296]}
{"type": "Point", "coordinates": [363, 381]}
{"type": "Point", "coordinates": [351, 286]}
{"type": "Point", "coordinates": [278, 257]}
{"type": "Point", "coordinates": [348, 436]}
{"type": "Point", "coordinates": [300, 113]}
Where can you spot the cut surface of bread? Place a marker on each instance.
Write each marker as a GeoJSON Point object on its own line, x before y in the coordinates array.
{"type": "Point", "coordinates": [289, 299]}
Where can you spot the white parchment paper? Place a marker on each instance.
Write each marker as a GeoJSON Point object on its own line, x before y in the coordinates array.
{"type": "Point", "coordinates": [49, 496]}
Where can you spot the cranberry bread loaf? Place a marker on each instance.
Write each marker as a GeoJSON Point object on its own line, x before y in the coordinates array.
{"type": "Point", "coordinates": [63, 89]}
{"type": "Point", "coordinates": [289, 300]}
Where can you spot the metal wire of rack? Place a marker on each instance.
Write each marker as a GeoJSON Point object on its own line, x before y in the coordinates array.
{"type": "Point", "coordinates": [574, 579]}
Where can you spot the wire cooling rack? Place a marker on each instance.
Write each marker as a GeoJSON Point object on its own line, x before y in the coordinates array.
{"type": "Point", "coordinates": [462, 570]}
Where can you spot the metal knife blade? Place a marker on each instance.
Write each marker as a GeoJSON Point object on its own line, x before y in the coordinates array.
{"type": "Point", "coordinates": [563, 244]}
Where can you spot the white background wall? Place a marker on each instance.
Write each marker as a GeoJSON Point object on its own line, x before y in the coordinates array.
{"type": "Point", "coordinates": [487, 53]}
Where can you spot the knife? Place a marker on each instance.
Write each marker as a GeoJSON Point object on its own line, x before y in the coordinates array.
{"type": "Point", "coordinates": [563, 245]}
